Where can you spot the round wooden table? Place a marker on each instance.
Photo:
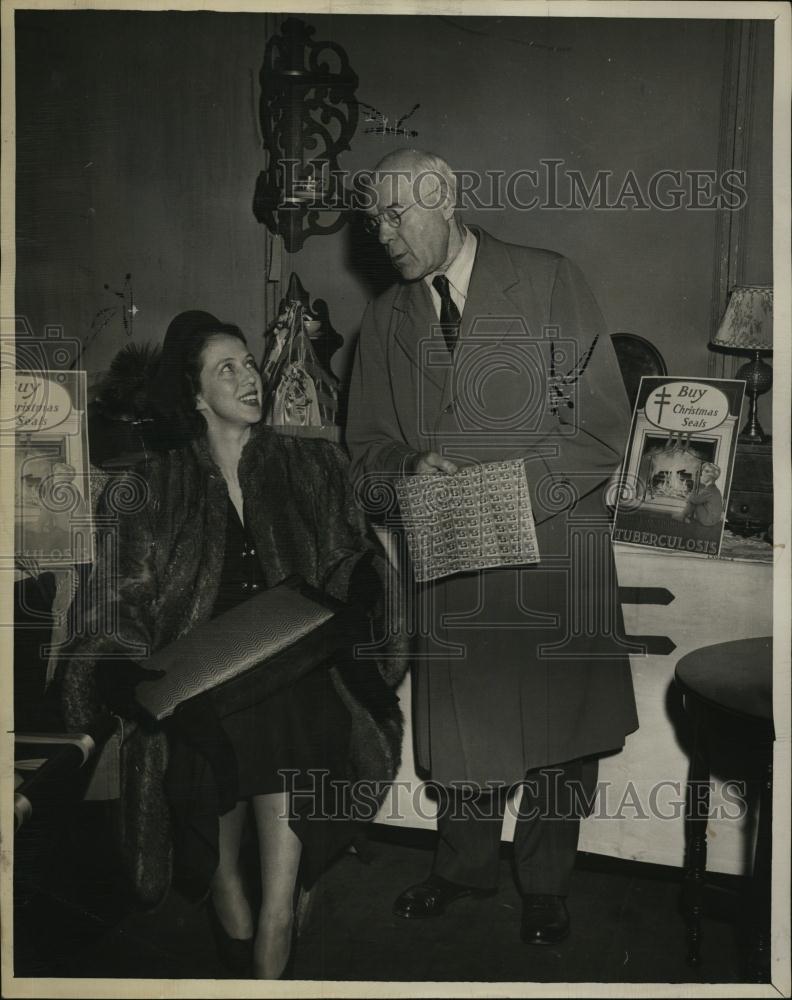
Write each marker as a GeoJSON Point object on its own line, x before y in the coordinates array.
{"type": "Point", "coordinates": [732, 680]}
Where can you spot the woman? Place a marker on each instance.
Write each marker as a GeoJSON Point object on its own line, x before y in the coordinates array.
{"type": "Point", "coordinates": [236, 509]}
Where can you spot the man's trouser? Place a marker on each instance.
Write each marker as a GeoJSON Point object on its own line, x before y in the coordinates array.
{"type": "Point", "coordinates": [547, 825]}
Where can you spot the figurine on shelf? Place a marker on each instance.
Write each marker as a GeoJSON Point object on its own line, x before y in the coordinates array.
{"type": "Point", "coordinates": [274, 340]}
{"type": "Point", "coordinates": [300, 391]}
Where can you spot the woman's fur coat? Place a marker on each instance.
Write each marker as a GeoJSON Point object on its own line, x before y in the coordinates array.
{"type": "Point", "coordinates": [156, 577]}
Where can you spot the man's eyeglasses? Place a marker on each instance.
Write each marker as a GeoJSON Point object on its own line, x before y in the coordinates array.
{"type": "Point", "coordinates": [391, 216]}
{"type": "Point", "coordinates": [371, 223]}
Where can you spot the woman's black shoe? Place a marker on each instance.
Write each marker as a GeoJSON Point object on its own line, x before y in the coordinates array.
{"type": "Point", "coordinates": [236, 954]}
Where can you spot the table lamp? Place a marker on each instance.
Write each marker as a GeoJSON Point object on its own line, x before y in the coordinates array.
{"type": "Point", "coordinates": [747, 325]}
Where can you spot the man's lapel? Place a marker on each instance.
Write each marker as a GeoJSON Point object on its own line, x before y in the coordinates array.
{"type": "Point", "coordinates": [416, 327]}
{"type": "Point", "coordinates": [488, 295]}
{"type": "Point", "coordinates": [492, 309]}
{"type": "Point", "coordinates": [495, 308]}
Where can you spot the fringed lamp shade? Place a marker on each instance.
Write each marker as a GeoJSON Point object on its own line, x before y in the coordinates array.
{"type": "Point", "coordinates": [747, 325]}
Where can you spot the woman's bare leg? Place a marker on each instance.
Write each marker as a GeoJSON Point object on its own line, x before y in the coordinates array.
{"type": "Point", "coordinates": [279, 851]}
{"type": "Point", "coordinates": [228, 891]}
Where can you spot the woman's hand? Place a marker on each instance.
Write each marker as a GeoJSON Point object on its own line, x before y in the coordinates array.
{"type": "Point", "coordinates": [117, 681]}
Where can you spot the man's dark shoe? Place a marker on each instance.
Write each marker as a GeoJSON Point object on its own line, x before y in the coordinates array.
{"type": "Point", "coordinates": [545, 919]}
{"type": "Point", "coordinates": [430, 898]}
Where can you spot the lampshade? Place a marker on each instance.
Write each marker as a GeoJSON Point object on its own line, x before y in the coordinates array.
{"type": "Point", "coordinates": [747, 324]}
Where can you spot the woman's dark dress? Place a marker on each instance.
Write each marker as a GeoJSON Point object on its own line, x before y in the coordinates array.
{"type": "Point", "coordinates": [303, 728]}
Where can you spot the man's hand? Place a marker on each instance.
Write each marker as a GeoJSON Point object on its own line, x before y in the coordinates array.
{"type": "Point", "coordinates": [431, 462]}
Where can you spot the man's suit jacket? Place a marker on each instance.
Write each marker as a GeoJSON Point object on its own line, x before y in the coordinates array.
{"type": "Point", "coordinates": [504, 683]}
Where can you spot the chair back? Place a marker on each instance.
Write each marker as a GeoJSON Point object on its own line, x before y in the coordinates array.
{"type": "Point", "coordinates": [636, 357]}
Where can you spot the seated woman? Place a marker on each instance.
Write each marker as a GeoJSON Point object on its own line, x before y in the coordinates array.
{"type": "Point", "coordinates": [200, 528]}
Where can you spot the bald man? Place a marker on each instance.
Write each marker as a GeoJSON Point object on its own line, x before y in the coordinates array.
{"type": "Point", "coordinates": [485, 351]}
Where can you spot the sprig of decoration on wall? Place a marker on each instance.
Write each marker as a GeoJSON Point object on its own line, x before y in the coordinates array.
{"type": "Point", "coordinates": [106, 314]}
{"type": "Point", "coordinates": [380, 124]}
{"type": "Point", "coordinates": [130, 310]}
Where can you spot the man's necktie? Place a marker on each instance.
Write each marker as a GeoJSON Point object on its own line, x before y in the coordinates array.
{"type": "Point", "coordinates": [449, 314]}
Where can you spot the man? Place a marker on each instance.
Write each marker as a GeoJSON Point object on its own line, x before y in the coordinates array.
{"type": "Point", "coordinates": [485, 352]}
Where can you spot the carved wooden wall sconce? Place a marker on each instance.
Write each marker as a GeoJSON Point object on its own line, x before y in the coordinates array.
{"type": "Point", "coordinates": [308, 116]}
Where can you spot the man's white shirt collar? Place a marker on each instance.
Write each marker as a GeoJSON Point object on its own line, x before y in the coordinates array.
{"type": "Point", "coordinates": [458, 273]}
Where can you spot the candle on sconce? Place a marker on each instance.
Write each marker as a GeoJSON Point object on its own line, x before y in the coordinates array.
{"type": "Point", "coordinates": [308, 189]}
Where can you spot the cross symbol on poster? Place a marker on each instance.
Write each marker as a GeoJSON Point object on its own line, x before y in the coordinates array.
{"type": "Point", "coordinates": [662, 399]}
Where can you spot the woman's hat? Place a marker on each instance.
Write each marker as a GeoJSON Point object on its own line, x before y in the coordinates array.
{"type": "Point", "coordinates": [181, 331]}
{"type": "Point", "coordinates": [168, 387]}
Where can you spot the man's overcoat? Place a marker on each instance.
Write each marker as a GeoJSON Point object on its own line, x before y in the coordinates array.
{"type": "Point", "coordinates": [515, 668]}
